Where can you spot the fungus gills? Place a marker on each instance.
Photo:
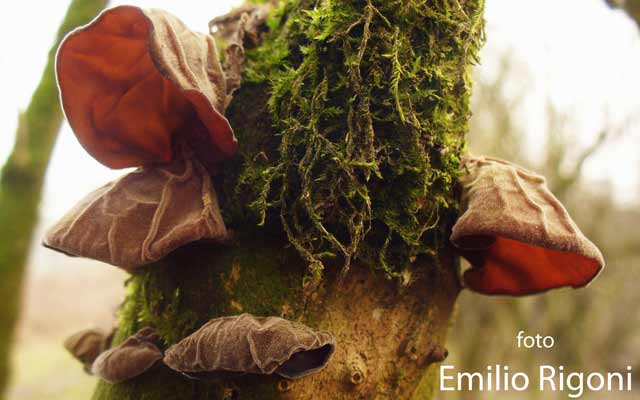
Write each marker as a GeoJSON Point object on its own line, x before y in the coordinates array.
{"type": "Point", "coordinates": [517, 236]}
{"type": "Point", "coordinates": [255, 345]}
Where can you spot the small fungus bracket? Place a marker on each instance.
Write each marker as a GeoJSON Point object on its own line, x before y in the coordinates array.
{"type": "Point", "coordinates": [254, 345]}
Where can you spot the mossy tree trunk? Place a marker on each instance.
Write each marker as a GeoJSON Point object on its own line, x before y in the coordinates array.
{"type": "Point", "coordinates": [21, 182]}
{"type": "Point", "coordinates": [351, 119]}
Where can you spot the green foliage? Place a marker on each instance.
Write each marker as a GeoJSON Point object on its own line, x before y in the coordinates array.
{"type": "Point", "coordinates": [368, 108]}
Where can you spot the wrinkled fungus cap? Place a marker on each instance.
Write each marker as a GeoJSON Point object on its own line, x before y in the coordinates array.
{"type": "Point", "coordinates": [87, 345]}
{"type": "Point", "coordinates": [129, 359]}
{"type": "Point", "coordinates": [255, 345]}
{"type": "Point", "coordinates": [517, 236]}
{"type": "Point", "coordinates": [142, 217]}
{"type": "Point", "coordinates": [133, 80]}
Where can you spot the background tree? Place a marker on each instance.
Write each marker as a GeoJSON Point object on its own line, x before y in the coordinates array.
{"type": "Point", "coordinates": [21, 182]}
{"type": "Point", "coordinates": [632, 7]}
{"type": "Point", "coordinates": [566, 314]}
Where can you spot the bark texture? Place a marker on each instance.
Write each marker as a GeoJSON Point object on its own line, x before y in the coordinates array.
{"type": "Point", "coordinates": [387, 335]}
{"type": "Point", "coordinates": [351, 121]}
{"type": "Point", "coordinates": [21, 182]}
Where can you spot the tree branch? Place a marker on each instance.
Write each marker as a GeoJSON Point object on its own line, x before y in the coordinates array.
{"type": "Point", "coordinates": [21, 181]}
{"type": "Point", "coordinates": [632, 8]}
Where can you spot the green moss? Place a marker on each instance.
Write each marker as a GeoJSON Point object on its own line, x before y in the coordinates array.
{"type": "Point", "coordinates": [362, 129]}
{"type": "Point", "coordinates": [177, 297]}
{"type": "Point", "coordinates": [199, 282]}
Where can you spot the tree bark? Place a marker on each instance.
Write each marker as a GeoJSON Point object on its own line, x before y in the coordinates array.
{"type": "Point", "coordinates": [387, 335]}
{"type": "Point", "coordinates": [390, 322]}
{"type": "Point", "coordinates": [21, 181]}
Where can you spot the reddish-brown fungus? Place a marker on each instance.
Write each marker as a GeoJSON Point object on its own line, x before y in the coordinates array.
{"type": "Point", "coordinates": [517, 236]}
{"type": "Point", "coordinates": [134, 82]}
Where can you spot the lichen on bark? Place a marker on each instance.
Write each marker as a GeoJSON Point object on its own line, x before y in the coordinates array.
{"type": "Point", "coordinates": [368, 102]}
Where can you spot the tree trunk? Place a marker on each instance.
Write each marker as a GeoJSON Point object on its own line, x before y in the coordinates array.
{"type": "Point", "coordinates": [387, 295]}
{"type": "Point", "coordinates": [387, 336]}
{"type": "Point", "coordinates": [21, 182]}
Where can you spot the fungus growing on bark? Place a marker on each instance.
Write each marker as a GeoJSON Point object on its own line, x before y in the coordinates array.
{"type": "Point", "coordinates": [517, 236]}
{"type": "Point", "coordinates": [255, 345]}
{"type": "Point", "coordinates": [140, 89]}
{"type": "Point", "coordinates": [239, 27]}
{"type": "Point", "coordinates": [142, 217]}
{"type": "Point", "coordinates": [129, 359]}
{"type": "Point", "coordinates": [87, 345]}
{"type": "Point", "coordinates": [135, 82]}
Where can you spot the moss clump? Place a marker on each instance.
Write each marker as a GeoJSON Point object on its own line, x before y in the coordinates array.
{"type": "Point", "coordinates": [195, 283]}
{"type": "Point", "coordinates": [365, 121]}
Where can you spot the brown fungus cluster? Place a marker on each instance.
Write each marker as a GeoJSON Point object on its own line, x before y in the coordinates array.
{"type": "Point", "coordinates": [141, 90]}
{"type": "Point", "coordinates": [241, 344]}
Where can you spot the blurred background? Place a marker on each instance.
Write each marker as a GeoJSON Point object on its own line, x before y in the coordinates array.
{"type": "Point", "coordinates": [556, 92]}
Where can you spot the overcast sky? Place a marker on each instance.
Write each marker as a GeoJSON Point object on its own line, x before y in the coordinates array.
{"type": "Point", "coordinates": [583, 55]}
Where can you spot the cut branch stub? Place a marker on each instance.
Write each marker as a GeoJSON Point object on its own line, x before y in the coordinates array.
{"type": "Point", "coordinates": [142, 217]}
{"type": "Point", "coordinates": [134, 80]}
{"type": "Point", "coordinates": [517, 236]}
{"type": "Point", "coordinates": [255, 345]}
{"type": "Point", "coordinates": [131, 358]}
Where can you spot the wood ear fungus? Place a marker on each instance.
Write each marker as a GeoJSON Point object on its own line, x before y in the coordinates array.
{"type": "Point", "coordinates": [517, 236]}
{"type": "Point", "coordinates": [87, 345]}
{"type": "Point", "coordinates": [129, 359]}
{"type": "Point", "coordinates": [132, 82]}
{"type": "Point", "coordinates": [255, 345]}
{"type": "Point", "coordinates": [142, 217]}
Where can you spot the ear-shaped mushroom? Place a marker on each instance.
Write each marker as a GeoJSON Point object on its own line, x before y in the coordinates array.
{"type": "Point", "coordinates": [254, 345]}
{"type": "Point", "coordinates": [517, 236]}
{"type": "Point", "coordinates": [241, 25]}
{"type": "Point", "coordinates": [142, 217]}
{"type": "Point", "coordinates": [131, 358]}
{"type": "Point", "coordinates": [133, 80]}
{"type": "Point", "coordinates": [87, 345]}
